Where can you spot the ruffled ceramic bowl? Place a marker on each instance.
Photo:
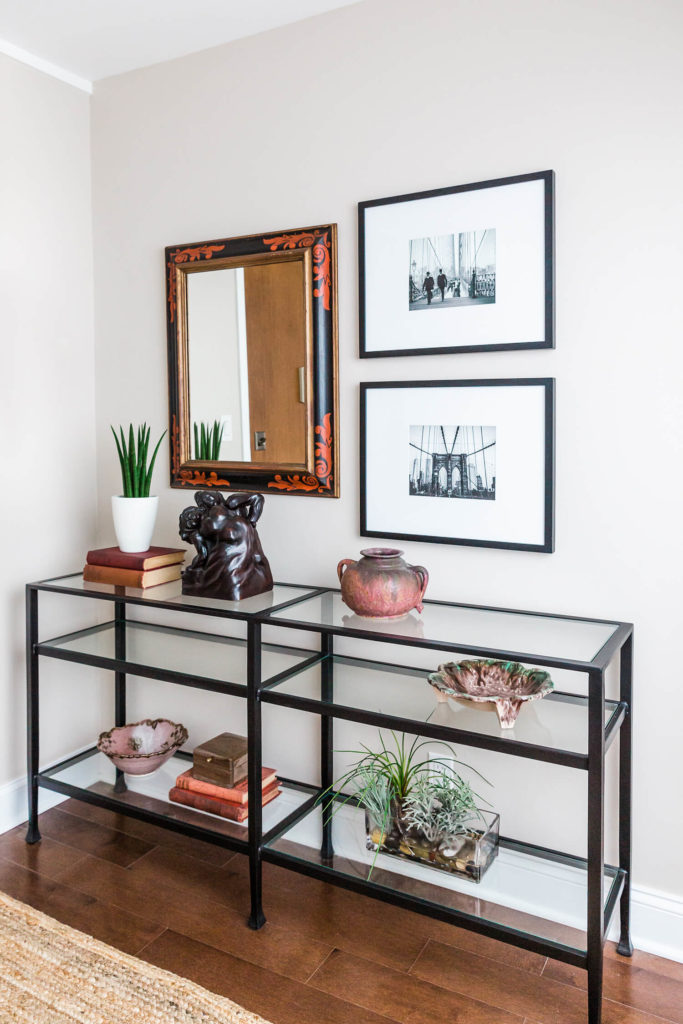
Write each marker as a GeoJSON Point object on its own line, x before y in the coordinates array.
{"type": "Point", "coordinates": [142, 747]}
{"type": "Point", "coordinates": [506, 684]}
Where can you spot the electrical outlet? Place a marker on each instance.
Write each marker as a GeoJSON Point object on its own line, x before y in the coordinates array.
{"type": "Point", "coordinates": [442, 761]}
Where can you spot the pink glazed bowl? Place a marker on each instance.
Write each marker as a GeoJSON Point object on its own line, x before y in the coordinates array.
{"type": "Point", "coordinates": [142, 747]}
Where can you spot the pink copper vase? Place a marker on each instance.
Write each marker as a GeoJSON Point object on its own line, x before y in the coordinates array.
{"type": "Point", "coordinates": [381, 585]}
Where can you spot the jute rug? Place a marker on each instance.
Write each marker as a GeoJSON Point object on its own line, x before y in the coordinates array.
{"type": "Point", "coordinates": [53, 974]}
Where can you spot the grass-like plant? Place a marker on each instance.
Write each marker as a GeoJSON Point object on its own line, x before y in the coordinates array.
{"type": "Point", "coordinates": [136, 470]}
{"type": "Point", "coordinates": [207, 440]}
{"type": "Point", "coordinates": [399, 779]}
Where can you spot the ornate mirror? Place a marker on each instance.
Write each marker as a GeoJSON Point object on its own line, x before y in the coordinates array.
{"type": "Point", "coordinates": [252, 361]}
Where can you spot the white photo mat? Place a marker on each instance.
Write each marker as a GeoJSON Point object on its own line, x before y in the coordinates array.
{"type": "Point", "coordinates": [520, 515]}
{"type": "Point", "coordinates": [520, 315]}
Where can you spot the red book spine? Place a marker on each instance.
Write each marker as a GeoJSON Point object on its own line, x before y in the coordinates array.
{"type": "Point", "coordinates": [141, 560]}
{"type": "Point", "coordinates": [223, 808]}
{"type": "Point", "coordinates": [207, 803]}
{"type": "Point", "coordinates": [237, 794]}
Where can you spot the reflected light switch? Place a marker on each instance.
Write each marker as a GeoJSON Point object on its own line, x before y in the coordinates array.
{"type": "Point", "coordinates": [226, 423]}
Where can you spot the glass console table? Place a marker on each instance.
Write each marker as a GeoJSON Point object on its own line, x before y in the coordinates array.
{"type": "Point", "coordinates": [569, 729]}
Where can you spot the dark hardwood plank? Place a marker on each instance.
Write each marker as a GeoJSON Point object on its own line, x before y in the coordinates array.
{"type": "Point", "coordinates": [128, 932]}
{"type": "Point", "coordinates": [538, 997]}
{"type": "Point", "coordinates": [88, 837]}
{"type": "Point", "coordinates": [655, 964]}
{"type": "Point", "coordinates": [325, 913]}
{"type": "Point", "coordinates": [385, 937]}
{"type": "Point", "coordinates": [152, 834]}
{"type": "Point", "coordinates": [48, 857]}
{"type": "Point", "coordinates": [170, 869]}
{"type": "Point", "coordinates": [325, 955]}
{"type": "Point", "coordinates": [400, 996]}
{"type": "Point", "coordinates": [282, 950]}
{"type": "Point", "coordinates": [277, 999]}
{"type": "Point", "coordinates": [626, 983]}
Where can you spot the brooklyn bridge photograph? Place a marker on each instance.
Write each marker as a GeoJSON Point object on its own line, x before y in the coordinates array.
{"type": "Point", "coordinates": [453, 462]}
{"type": "Point", "coordinates": [453, 270]}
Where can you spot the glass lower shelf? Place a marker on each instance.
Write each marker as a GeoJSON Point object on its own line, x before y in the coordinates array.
{"type": "Point", "coordinates": [553, 729]}
{"type": "Point", "coordinates": [95, 774]}
{"type": "Point", "coordinates": [534, 892]}
{"type": "Point", "coordinates": [217, 659]}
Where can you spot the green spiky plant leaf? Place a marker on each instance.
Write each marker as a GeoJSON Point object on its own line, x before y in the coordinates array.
{"type": "Point", "coordinates": [136, 466]}
{"type": "Point", "coordinates": [208, 438]}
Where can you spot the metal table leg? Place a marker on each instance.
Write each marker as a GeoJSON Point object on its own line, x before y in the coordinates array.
{"type": "Point", "coordinates": [327, 740]}
{"type": "Point", "coordinates": [33, 717]}
{"type": "Point", "coordinates": [625, 946]}
{"type": "Point", "coordinates": [120, 681]}
{"type": "Point", "coordinates": [595, 922]}
{"type": "Point", "coordinates": [254, 737]}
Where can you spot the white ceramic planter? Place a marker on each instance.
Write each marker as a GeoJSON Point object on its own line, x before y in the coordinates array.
{"type": "Point", "coordinates": [134, 520]}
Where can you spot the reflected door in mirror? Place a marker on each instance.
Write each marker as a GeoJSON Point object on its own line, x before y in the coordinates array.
{"type": "Point", "coordinates": [276, 346]}
{"type": "Point", "coordinates": [247, 362]}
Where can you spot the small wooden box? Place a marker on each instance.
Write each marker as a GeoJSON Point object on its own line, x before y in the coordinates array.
{"type": "Point", "coordinates": [221, 760]}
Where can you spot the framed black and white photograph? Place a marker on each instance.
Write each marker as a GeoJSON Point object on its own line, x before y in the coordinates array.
{"type": "Point", "coordinates": [459, 462]}
{"type": "Point", "coordinates": [462, 269]}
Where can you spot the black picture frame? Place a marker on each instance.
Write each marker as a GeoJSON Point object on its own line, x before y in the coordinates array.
{"type": "Point", "coordinates": [548, 341]}
{"type": "Point", "coordinates": [547, 545]}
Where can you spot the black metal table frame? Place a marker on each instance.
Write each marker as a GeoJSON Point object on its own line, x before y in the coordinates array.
{"type": "Point", "coordinates": [259, 691]}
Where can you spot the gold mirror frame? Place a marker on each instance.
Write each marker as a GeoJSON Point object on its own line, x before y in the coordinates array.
{"type": "Point", "coordinates": [316, 248]}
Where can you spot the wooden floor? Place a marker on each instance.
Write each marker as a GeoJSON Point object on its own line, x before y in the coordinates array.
{"type": "Point", "coordinates": [325, 957]}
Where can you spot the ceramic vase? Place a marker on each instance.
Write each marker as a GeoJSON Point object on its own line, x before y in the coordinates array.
{"type": "Point", "coordinates": [380, 585]}
{"type": "Point", "coordinates": [134, 520]}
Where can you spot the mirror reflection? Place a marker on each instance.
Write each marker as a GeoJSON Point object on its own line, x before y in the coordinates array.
{"type": "Point", "coordinates": [248, 363]}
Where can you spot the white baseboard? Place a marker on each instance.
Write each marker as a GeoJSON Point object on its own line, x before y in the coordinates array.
{"type": "Point", "coordinates": [14, 795]}
{"type": "Point", "coordinates": [657, 923]}
{"type": "Point", "coordinates": [656, 918]}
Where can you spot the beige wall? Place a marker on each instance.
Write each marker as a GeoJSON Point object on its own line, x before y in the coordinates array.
{"type": "Point", "coordinates": [294, 127]}
{"type": "Point", "coordinates": [47, 407]}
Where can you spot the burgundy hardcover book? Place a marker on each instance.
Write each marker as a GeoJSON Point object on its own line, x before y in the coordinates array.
{"type": "Point", "coordinates": [154, 558]}
{"type": "Point", "coordinates": [223, 808]}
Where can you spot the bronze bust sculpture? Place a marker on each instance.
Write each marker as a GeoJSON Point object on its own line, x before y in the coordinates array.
{"type": "Point", "coordinates": [229, 563]}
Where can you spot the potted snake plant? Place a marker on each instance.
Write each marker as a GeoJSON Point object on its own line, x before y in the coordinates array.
{"type": "Point", "coordinates": [134, 511]}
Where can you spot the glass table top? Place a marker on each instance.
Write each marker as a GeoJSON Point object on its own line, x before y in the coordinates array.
{"type": "Point", "coordinates": [461, 626]}
{"type": "Point", "coordinates": [170, 594]}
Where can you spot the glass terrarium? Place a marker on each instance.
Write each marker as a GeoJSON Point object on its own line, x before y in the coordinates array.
{"type": "Point", "coordinates": [468, 853]}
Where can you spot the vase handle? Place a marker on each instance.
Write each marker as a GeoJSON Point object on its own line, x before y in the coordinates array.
{"type": "Point", "coordinates": [423, 576]}
{"type": "Point", "coordinates": [343, 565]}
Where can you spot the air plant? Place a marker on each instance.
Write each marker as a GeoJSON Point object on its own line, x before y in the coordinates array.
{"type": "Point", "coordinates": [441, 808]}
{"type": "Point", "coordinates": [397, 778]}
{"type": "Point", "coordinates": [207, 440]}
{"type": "Point", "coordinates": [136, 472]}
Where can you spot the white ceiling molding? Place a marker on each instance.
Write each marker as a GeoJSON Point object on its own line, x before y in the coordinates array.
{"type": "Point", "coordinates": [16, 52]}
{"type": "Point", "coordinates": [83, 41]}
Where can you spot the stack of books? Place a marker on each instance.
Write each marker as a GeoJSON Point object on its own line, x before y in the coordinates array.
{"type": "Point", "coordinates": [133, 569]}
{"type": "Point", "coordinates": [217, 781]}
